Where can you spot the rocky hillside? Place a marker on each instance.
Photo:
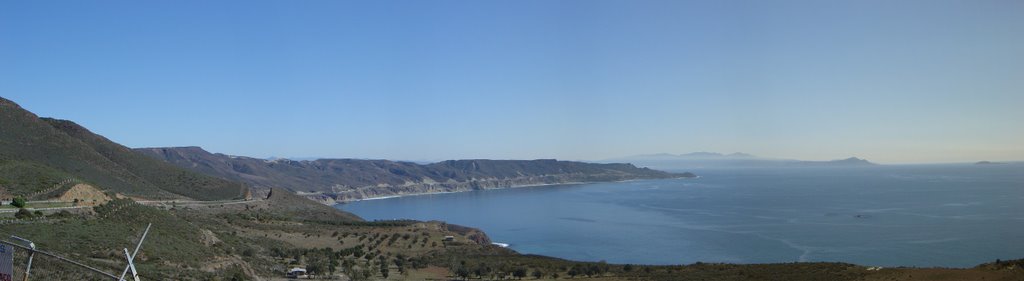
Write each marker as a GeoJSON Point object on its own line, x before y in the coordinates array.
{"type": "Point", "coordinates": [348, 179]}
{"type": "Point", "coordinates": [39, 153]}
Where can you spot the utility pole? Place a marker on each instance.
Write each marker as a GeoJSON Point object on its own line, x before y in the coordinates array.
{"type": "Point", "coordinates": [31, 253]}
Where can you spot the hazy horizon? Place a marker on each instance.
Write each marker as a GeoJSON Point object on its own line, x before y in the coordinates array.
{"type": "Point", "coordinates": [891, 82]}
{"type": "Point", "coordinates": [602, 160]}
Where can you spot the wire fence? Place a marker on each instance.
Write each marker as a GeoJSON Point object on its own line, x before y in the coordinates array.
{"type": "Point", "coordinates": [56, 186]}
{"type": "Point", "coordinates": [47, 267]}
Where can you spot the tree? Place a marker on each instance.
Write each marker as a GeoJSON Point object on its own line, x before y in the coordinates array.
{"type": "Point", "coordinates": [537, 274]}
{"type": "Point", "coordinates": [399, 260]}
{"type": "Point", "coordinates": [462, 272]}
{"type": "Point", "coordinates": [482, 270]}
{"type": "Point", "coordinates": [23, 214]}
{"type": "Point", "coordinates": [595, 270]}
{"type": "Point", "coordinates": [18, 202]}
{"type": "Point", "coordinates": [519, 272]}
{"type": "Point", "coordinates": [316, 265]}
{"type": "Point", "coordinates": [332, 264]}
{"type": "Point", "coordinates": [238, 275]}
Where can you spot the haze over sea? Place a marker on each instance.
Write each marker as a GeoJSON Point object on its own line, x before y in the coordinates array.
{"type": "Point", "coordinates": [955, 215]}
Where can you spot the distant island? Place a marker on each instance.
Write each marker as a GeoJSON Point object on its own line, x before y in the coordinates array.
{"type": "Point", "coordinates": [852, 161]}
{"type": "Point", "coordinates": [989, 163]}
{"type": "Point", "coordinates": [334, 180]}
{"type": "Point", "coordinates": [666, 161]}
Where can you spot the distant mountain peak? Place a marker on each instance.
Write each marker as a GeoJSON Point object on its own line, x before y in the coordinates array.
{"type": "Point", "coordinates": [741, 155]}
{"type": "Point", "coordinates": [851, 159]}
{"type": "Point", "coordinates": [702, 154]}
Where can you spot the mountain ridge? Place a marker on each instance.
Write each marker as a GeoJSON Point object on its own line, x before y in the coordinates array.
{"type": "Point", "coordinates": [352, 179]}
{"type": "Point", "coordinates": [38, 152]}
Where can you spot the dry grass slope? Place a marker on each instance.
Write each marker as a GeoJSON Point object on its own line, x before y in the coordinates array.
{"type": "Point", "coordinates": [36, 153]}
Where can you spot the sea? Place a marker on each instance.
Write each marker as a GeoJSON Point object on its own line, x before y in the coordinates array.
{"type": "Point", "coordinates": [950, 215]}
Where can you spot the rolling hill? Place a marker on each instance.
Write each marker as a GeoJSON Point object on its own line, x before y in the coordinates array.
{"type": "Point", "coordinates": [37, 153]}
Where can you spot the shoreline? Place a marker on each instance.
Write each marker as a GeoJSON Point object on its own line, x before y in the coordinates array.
{"type": "Point", "coordinates": [448, 192]}
{"type": "Point", "coordinates": [338, 202]}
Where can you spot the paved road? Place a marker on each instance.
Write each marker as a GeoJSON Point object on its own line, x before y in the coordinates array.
{"type": "Point", "coordinates": [184, 203]}
{"type": "Point", "coordinates": [5, 210]}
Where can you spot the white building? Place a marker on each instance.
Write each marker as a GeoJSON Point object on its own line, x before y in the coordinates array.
{"type": "Point", "coordinates": [297, 272]}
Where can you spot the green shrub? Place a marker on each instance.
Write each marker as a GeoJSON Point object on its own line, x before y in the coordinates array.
{"type": "Point", "coordinates": [23, 214]}
{"type": "Point", "coordinates": [18, 202]}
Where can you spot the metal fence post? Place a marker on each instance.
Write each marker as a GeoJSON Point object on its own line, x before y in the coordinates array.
{"type": "Point", "coordinates": [131, 257]}
{"type": "Point", "coordinates": [31, 253]}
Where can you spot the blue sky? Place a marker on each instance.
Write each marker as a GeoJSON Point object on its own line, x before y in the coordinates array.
{"type": "Point", "coordinates": [891, 81]}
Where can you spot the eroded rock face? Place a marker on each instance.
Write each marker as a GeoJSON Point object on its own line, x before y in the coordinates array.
{"type": "Point", "coordinates": [475, 184]}
{"type": "Point", "coordinates": [473, 234]}
{"type": "Point", "coordinates": [385, 190]}
{"type": "Point", "coordinates": [84, 195]}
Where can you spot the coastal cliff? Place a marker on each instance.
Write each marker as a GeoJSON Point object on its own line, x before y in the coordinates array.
{"type": "Point", "coordinates": [334, 180]}
{"type": "Point", "coordinates": [385, 190]}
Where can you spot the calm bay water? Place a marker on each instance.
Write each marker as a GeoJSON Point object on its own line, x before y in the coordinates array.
{"type": "Point", "coordinates": [906, 215]}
